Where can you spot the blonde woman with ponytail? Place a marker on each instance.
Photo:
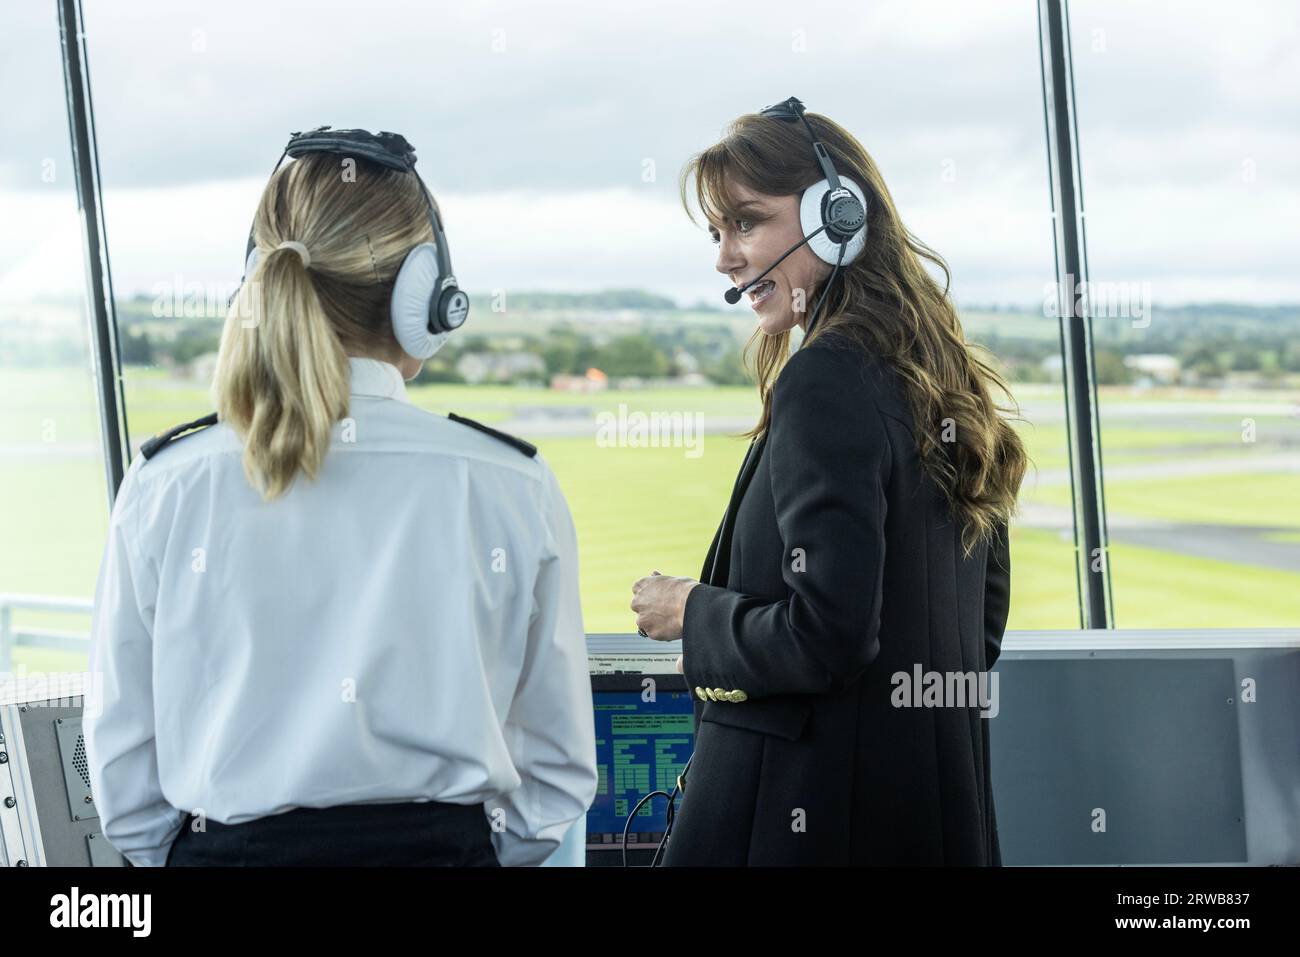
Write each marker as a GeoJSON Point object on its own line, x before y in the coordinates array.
{"type": "Point", "coordinates": [332, 627]}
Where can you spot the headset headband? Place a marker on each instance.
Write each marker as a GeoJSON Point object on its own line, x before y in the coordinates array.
{"type": "Point", "coordinates": [791, 110]}
{"type": "Point", "coordinates": [390, 150]}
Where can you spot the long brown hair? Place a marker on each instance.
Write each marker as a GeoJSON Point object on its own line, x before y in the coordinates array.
{"type": "Point", "coordinates": [884, 302]}
{"type": "Point", "coordinates": [283, 377]}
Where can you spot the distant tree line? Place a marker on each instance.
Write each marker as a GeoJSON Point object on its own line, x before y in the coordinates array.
{"type": "Point", "coordinates": [1209, 342]}
{"type": "Point", "coordinates": [563, 349]}
{"type": "Point", "coordinates": [1205, 345]}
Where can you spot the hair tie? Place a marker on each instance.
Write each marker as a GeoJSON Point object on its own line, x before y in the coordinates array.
{"type": "Point", "coordinates": [297, 247]}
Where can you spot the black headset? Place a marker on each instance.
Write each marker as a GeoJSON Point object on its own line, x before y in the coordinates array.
{"type": "Point", "coordinates": [426, 283]}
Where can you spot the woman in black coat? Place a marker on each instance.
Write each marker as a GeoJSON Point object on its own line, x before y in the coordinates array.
{"type": "Point", "coordinates": [856, 592]}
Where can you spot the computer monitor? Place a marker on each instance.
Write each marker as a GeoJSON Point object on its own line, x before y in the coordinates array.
{"type": "Point", "coordinates": [645, 732]}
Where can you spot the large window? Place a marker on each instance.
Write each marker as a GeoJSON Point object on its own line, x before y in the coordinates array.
{"type": "Point", "coordinates": [1190, 143]}
{"type": "Point", "coordinates": [553, 140]}
{"type": "Point", "coordinates": [53, 503]}
{"type": "Point", "coordinates": [571, 129]}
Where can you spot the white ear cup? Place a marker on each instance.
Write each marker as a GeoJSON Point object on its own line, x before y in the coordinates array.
{"type": "Point", "coordinates": [810, 216]}
{"type": "Point", "coordinates": [417, 281]}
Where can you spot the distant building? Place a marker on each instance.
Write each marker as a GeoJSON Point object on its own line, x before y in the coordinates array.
{"type": "Point", "coordinates": [202, 368]}
{"type": "Point", "coordinates": [480, 367]}
{"type": "Point", "coordinates": [593, 381]}
{"type": "Point", "coordinates": [685, 361]}
{"type": "Point", "coordinates": [1156, 367]}
{"type": "Point", "coordinates": [692, 379]}
{"type": "Point", "coordinates": [1252, 379]}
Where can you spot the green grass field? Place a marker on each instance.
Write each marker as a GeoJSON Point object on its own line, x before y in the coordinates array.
{"type": "Point", "coordinates": [1264, 499]}
{"type": "Point", "coordinates": [638, 509]}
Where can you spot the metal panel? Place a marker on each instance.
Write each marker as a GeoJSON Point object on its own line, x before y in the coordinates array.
{"type": "Point", "coordinates": [20, 830]}
{"type": "Point", "coordinates": [63, 839]}
{"type": "Point", "coordinates": [1132, 760]}
{"type": "Point", "coordinates": [102, 853]}
{"type": "Point", "coordinates": [76, 772]}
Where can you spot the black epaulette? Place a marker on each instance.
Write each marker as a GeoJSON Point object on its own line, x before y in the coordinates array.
{"type": "Point", "coordinates": [526, 447]}
{"type": "Point", "coordinates": [151, 447]}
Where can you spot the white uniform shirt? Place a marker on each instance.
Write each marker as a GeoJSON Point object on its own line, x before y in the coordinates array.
{"type": "Point", "coordinates": [405, 628]}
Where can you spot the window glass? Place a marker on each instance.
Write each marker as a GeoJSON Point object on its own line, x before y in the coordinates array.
{"type": "Point", "coordinates": [1190, 142]}
{"type": "Point", "coordinates": [553, 140]}
{"type": "Point", "coordinates": [53, 491]}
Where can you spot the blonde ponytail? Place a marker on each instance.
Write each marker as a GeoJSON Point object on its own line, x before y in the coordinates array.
{"type": "Point", "coordinates": [328, 251]}
{"type": "Point", "coordinates": [289, 342]}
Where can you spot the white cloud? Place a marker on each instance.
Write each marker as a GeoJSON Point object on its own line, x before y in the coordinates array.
{"type": "Point", "coordinates": [548, 133]}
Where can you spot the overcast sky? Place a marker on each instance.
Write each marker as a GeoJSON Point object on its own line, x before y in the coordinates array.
{"type": "Point", "coordinates": [533, 123]}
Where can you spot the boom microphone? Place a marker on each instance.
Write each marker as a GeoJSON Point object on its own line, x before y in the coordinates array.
{"type": "Point", "coordinates": [733, 294]}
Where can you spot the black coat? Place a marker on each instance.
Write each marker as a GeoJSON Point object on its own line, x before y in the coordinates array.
{"type": "Point", "coordinates": [837, 566]}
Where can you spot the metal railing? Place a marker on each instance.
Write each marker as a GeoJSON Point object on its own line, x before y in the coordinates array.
{"type": "Point", "coordinates": [54, 639]}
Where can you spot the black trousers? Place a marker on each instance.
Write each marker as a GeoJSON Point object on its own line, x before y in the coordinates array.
{"type": "Point", "coordinates": [430, 834]}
